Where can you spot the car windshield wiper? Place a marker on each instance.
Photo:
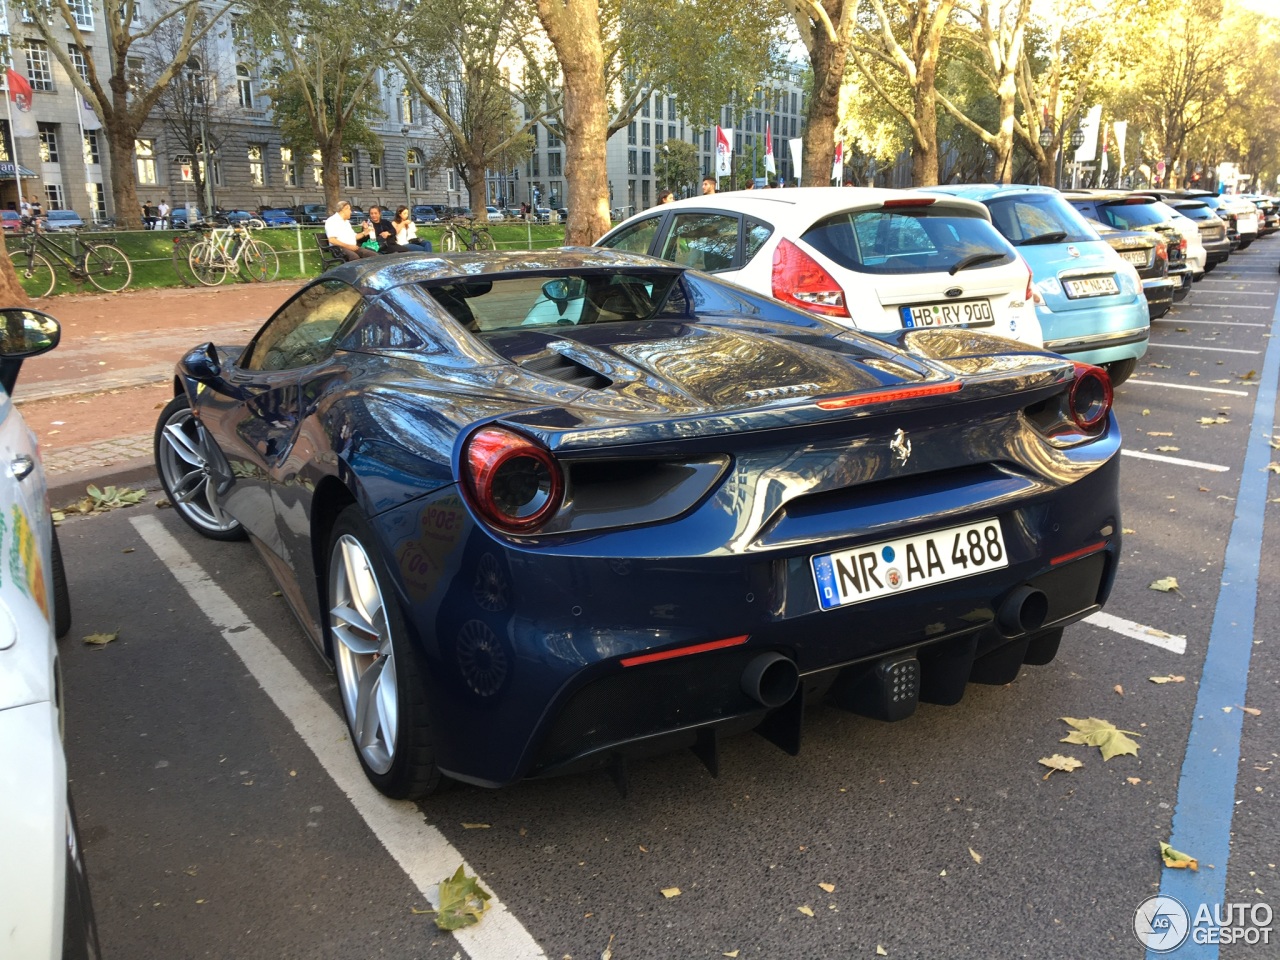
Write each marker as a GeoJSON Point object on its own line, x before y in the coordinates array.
{"type": "Point", "coordinates": [1056, 237]}
{"type": "Point", "coordinates": [974, 260]}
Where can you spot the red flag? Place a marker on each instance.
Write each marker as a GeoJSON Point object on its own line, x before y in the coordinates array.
{"type": "Point", "coordinates": [19, 89]}
{"type": "Point", "coordinates": [837, 167]}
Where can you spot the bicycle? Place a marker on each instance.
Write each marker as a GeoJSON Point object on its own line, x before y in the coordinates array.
{"type": "Point", "coordinates": [469, 235]}
{"type": "Point", "coordinates": [231, 248]}
{"type": "Point", "coordinates": [182, 244]}
{"type": "Point", "coordinates": [102, 264]}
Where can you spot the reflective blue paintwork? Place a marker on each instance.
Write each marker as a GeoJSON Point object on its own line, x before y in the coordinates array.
{"type": "Point", "coordinates": [1099, 329]}
{"type": "Point", "coordinates": [703, 479]}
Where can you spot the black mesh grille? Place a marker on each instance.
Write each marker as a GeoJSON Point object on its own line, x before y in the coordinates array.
{"type": "Point", "coordinates": [559, 367]}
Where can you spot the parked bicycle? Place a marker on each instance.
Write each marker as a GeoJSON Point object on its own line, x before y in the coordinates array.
{"type": "Point", "coordinates": [228, 249]}
{"type": "Point", "coordinates": [182, 244]}
{"type": "Point", "coordinates": [102, 264]}
{"type": "Point", "coordinates": [466, 235]}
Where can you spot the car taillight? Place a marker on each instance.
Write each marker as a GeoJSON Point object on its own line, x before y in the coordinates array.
{"type": "Point", "coordinates": [1089, 401]}
{"type": "Point", "coordinates": [513, 482]}
{"type": "Point", "coordinates": [1182, 244]}
{"type": "Point", "coordinates": [799, 279]}
{"type": "Point", "coordinates": [1162, 252]}
{"type": "Point", "coordinates": [1031, 293]}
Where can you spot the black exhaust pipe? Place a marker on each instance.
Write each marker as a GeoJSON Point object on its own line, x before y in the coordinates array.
{"type": "Point", "coordinates": [1023, 611]}
{"type": "Point", "coordinates": [770, 679]}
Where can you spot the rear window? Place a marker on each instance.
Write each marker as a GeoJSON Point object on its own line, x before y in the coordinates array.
{"type": "Point", "coordinates": [915, 240]}
{"type": "Point", "coordinates": [1195, 211]}
{"type": "Point", "coordinates": [1035, 218]}
{"type": "Point", "coordinates": [1127, 216]}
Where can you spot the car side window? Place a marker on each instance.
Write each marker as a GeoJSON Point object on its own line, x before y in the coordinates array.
{"type": "Point", "coordinates": [754, 235]}
{"type": "Point", "coordinates": [302, 331]}
{"type": "Point", "coordinates": [704, 241]}
{"type": "Point", "coordinates": [637, 238]}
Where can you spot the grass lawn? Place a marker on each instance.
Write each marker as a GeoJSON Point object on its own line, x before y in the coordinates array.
{"type": "Point", "coordinates": [151, 251]}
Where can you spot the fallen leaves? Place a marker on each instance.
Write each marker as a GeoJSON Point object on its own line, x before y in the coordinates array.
{"type": "Point", "coordinates": [1177, 859]}
{"type": "Point", "coordinates": [477, 826]}
{"type": "Point", "coordinates": [1060, 763]}
{"type": "Point", "coordinates": [828, 887]}
{"type": "Point", "coordinates": [1118, 689]}
{"type": "Point", "coordinates": [1213, 421]}
{"type": "Point", "coordinates": [806, 910]}
{"type": "Point", "coordinates": [462, 901]}
{"type": "Point", "coordinates": [1165, 448]}
{"type": "Point", "coordinates": [101, 639]}
{"type": "Point", "coordinates": [108, 498]}
{"type": "Point", "coordinates": [670, 892]}
{"type": "Point", "coordinates": [1164, 584]}
{"type": "Point", "coordinates": [1103, 735]}
{"type": "Point", "coordinates": [977, 857]}
{"type": "Point", "coordinates": [1171, 678]}
{"type": "Point", "coordinates": [1133, 781]}
{"type": "Point", "coordinates": [1252, 711]}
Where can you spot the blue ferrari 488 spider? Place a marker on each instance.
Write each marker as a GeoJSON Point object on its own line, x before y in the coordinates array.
{"type": "Point", "coordinates": [544, 511]}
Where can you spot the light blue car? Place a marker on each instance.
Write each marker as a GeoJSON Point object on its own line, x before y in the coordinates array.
{"type": "Point", "coordinates": [1088, 299]}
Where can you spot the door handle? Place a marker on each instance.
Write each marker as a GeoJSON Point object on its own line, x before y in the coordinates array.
{"type": "Point", "coordinates": [21, 466]}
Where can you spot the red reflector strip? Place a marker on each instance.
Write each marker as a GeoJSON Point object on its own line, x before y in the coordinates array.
{"type": "Point", "coordinates": [888, 396]}
{"type": "Point", "coordinates": [907, 202]}
{"type": "Point", "coordinates": [1077, 554]}
{"type": "Point", "coordinates": [685, 651]}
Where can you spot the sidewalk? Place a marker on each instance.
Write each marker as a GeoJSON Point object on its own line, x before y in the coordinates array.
{"type": "Point", "coordinates": [93, 401]}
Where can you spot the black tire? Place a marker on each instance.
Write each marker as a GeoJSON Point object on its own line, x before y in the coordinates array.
{"type": "Point", "coordinates": [259, 261]}
{"type": "Point", "coordinates": [193, 471]}
{"type": "Point", "coordinates": [61, 593]}
{"type": "Point", "coordinates": [36, 275]}
{"type": "Point", "coordinates": [365, 630]}
{"type": "Point", "coordinates": [108, 268]}
{"type": "Point", "coordinates": [181, 265]}
{"type": "Point", "coordinates": [1120, 370]}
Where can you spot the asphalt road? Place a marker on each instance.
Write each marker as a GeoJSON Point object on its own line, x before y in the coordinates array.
{"type": "Point", "coordinates": [224, 816]}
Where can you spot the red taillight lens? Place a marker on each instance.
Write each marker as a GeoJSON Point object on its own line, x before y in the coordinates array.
{"type": "Point", "coordinates": [799, 279]}
{"type": "Point", "coordinates": [514, 483]}
{"type": "Point", "coordinates": [1162, 252]}
{"type": "Point", "coordinates": [1090, 399]}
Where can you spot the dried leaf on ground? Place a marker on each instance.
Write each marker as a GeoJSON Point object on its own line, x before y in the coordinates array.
{"type": "Point", "coordinates": [1171, 678]}
{"type": "Point", "coordinates": [462, 901]}
{"type": "Point", "coordinates": [607, 952]}
{"type": "Point", "coordinates": [1247, 376]}
{"type": "Point", "coordinates": [1177, 859]}
{"type": "Point", "coordinates": [476, 826]}
{"type": "Point", "coordinates": [881, 951]}
{"type": "Point", "coordinates": [1165, 584]}
{"type": "Point", "coordinates": [1059, 762]}
{"type": "Point", "coordinates": [1212, 421]}
{"type": "Point", "coordinates": [1133, 781]}
{"type": "Point", "coordinates": [1274, 467]}
{"type": "Point", "coordinates": [670, 892]}
{"type": "Point", "coordinates": [1252, 711]}
{"type": "Point", "coordinates": [1167, 449]}
{"type": "Point", "coordinates": [1103, 735]}
{"type": "Point", "coordinates": [1159, 433]}
{"type": "Point", "coordinates": [101, 638]}
{"type": "Point", "coordinates": [806, 910]}
{"type": "Point", "coordinates": [108, 498]}
{"type": "Point", "coordinates": [731, 953]}
{"type": "Point", "coordinates": [1118, 689]}
{"type": "Point", "coordinates": [828, 887]}
{"type": "Point", "coordinates": [977, 857]}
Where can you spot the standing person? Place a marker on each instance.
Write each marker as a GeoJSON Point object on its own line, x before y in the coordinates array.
{"type": "Point", "coordinates": [149, 215]}
{"type": "Point", "coordinates": [708, 185]}
{"type": "Point", "coordinates": [163, 211]}
{"type": "Point", "coordinates": [384, 231]}
{"type": "Point", "coordinates": [407, 233]}
{"type": "Point", "coordinates": [343, 237]}
{"type": "Point", "coordinates": [666, 196]}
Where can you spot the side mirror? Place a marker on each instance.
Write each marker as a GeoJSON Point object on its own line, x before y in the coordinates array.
{"type": "Point", "coordinates": [562, 291]}
{"type": "Point", "coordinates": [23, 333]}
{"type": "Point", "coordinates": [202, 364]}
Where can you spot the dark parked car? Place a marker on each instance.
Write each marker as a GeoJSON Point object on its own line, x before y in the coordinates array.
{"type": "Point", "coordinates": [1149, 255]}
{"type": "Point", "coordinates": [1213, 231]}
{"type": "Point", "coordinates": [182, 217]}
{"type": "Point", "coordinates": [424, 213]}
{"type": "Point", "coordinates": [1130, 211]}
{"type": "Point", "coordinates": [277, 217]}
{"type": "Point", "coordinates": [310, 213]}
{"type": "Point", "coordinates": [12, 221]}
{"type": "Point", "coordinates": [546, 510]}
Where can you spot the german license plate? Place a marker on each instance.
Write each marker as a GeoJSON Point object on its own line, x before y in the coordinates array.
{"type": "Point", "coordinates": [909, 563]}
{"type": "Point", "coordinates": [1138, 257]}
{"type": "Point", "coordinates": [1090, 287]}
{"type": "Point", "coordinates": [974, 313]}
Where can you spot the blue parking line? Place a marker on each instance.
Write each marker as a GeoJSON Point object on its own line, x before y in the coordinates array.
{"type": "Point", "coordinates": [1207, 786]}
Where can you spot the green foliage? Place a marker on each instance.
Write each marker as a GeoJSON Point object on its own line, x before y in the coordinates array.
{"type": "Point", "coordinates": [676, 165]}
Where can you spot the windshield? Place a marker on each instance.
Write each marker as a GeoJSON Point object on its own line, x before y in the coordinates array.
{"type": "Point", "coordinates": [492, 304]}
{"type": "Point", "coordinates": [1128, 215]}
{"type": "Point", "coordinates": [908, 240]}
{"type": "Point", "coordinates": [1033, 218]}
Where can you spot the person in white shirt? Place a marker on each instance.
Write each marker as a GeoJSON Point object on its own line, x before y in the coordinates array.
{"type": "Point", "coordinates": [407, 233]}
{"type": "Point", "coordinates": [343, 237]}
{"type": "Point", "coordinates": [163, 210]}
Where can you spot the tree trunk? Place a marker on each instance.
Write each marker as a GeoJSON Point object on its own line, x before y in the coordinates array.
{"type": "Point", "coordinates": [330, 157]}
{"type": "Point", "coordinates": [11, 292]}
{"type": "Point", "coordinates": [1048, 173]}
{"type": "Point", "coordinates": [1004, 136]}
{"type": "Point", "coordinates": [828, 61]}
{"type": "Point", "coordinates": [573, 27]}
{"type": "Point", "coordinates": [121, 134]}
{"type": "Point", "coordinates": [924, 150]}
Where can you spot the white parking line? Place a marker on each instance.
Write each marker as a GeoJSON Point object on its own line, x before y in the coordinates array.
{"type": "Point", "coordinates": [1240, 293]}
{"type": "Point", "coordinates": [1196, 346]}
{"type": "Point", "coordinates": [1224, 323]}
{"type": "Point", "coordinates": [420, 849]}
{"type": "Point", "coordinates": [1176, 461]}
{"type": "Point", "coordinates": [1187, 386]}
{"type": "Point", "coordinates": [1233, 306]}
{"type": "Point", "coordinates": [1136, 631]}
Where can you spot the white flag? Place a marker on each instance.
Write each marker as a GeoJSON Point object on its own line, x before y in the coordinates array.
{"type": "Point", "coordinates": [796, 145]}
{"type": "Point", "coordinates": [769, 165]}
{"type": "Point", "coordinates": [837, 165]}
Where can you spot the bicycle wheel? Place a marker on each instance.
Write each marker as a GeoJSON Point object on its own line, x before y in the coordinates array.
{"type": "Point", "coordinates": [483, 240]}
{"type": "Point", "coordinates": [259, 262]}
{"type": "Point", "coordinates": [449, 240]}
{"type": "Point", "coordinates": [181, 265]}
{"type": "Point", "coordinates": [207, 264]}
{"type": "Point", "coordinates": [35, 273]}
{"type": "Point", "coordinates": [107, 267]}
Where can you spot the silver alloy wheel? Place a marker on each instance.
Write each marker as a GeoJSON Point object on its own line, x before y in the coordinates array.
{"type": "Point", "coordinates": [363, 654]}
{"type": "Point", "coordinates": [185, 460]}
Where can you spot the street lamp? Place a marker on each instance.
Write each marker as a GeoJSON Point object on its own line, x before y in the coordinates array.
{"type": "Point", "coordinates": [408, 201]}
{"type": "Point", "coordinates": [1077, 141]}
{"type": "Point", "coordinates": [1046, 138]}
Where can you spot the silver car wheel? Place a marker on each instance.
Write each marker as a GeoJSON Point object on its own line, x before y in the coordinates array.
{"type": "Point", "coordinates": [363, 654]}
{"type": "Point", "coordinates": [185, 458]}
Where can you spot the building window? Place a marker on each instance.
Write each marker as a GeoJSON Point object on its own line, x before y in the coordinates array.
{"type": "Point", "coordinates": [645, 168]}
{"type": "Point", "coordinates": [451, 181]}
{"type": "Point", "coordinates": [82, 10]}
{"type": "Point", "coordinates": [533, 166]}
{"type": "Point", "coordinates": [553, 165]}
{"type": "Point", "coordinates": [406, 107]}
{"type": "Point", "coordinates": [134, 67]}
{"type": "Point", "coordinates": [240, 32]}
{"type": "Point", "coordinates": [348, 171]}
{"type": "Point", "coordinates": [97, 201]}
{"type": "Point", "coordinates": [92, 153]}
{"type": "Point", "coordinates": [288, 169]}
{"type": "Point", "coordinates": [657, 107]}
{"type": "Point", "coordinates": [48, 142]}
{"type": "Point", "coordinates": [79, 61]}
{"type": "Point", "coordinates": [244, 86]}
{"type": "Point", "coordinates": [671, 108]}
{"type": "Point", "coordinates": [671, 131]}
{"type": "Point", "coordinates": [644, 193]}
{"type": "Point", "coordinates": [317, 169]}
{"type": "Point", "coordinates": [657, 134]}
{"type": "Point", "coordinates": [631, 161]}
{"type": "Point", "coordinates": [375, 171]}
{"type": "Point", "coordinates": [39, 71]}
{"type": "Point", "coordinates": [257, 170]}
{"type": "Point", "coordinates": [53, 196]}
{"type": "Point", "coordinates": [195, 79]}
{"type": "Point", "coordinates": [644, 108]}
{"type": "Point", "coordinates": [644, 134]}
{"type": "Point", "coordinates": [416, 179]}
{"type": "Point", "coordinates": [631, 133]}
{"type": "Point", "coordinates": [145, 154]}
{"type": "Point", "coordinates": [552, 139]}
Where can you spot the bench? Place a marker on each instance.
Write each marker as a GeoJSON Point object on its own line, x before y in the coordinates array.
{"type": "Point", "coordinates": [329, 256]}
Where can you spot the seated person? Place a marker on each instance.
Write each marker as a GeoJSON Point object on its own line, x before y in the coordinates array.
{"type": "Point", "coordinates": [407, 233]}
{"type": "Point", "coordinates": [343, 237]}
{"type": "Point", "coordinates": [384, 231]}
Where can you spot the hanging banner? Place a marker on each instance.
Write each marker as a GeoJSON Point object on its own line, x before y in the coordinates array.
{"type": "Point", "coordinates": [796, 146]}
{"type": "Point", "coordinates": [769, 165]}
{"type": "Point", "coordinates": [24, 123]}
{"type": "Point", "coordinates": [1104, 162]}
{"type": "Point", "coordinates": [1089, 149]}
{"type": "Point", "coordinates": [724, 154]}
{"type": "Point", "coordinates": [1121, 127]}
{"type": "Point", "coordinates": [837, 165]}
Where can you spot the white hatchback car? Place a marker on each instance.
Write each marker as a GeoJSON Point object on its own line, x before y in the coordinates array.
{"type": "Point", "coordinates": [45, 911]}
{"type": "Point", "coordinates": [876, 260]}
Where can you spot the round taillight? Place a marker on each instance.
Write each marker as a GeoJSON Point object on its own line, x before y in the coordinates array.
{"type": "Point", "coordinates": [1090, 398]}
{"type": "Point", "coordinates": [514, 483]}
